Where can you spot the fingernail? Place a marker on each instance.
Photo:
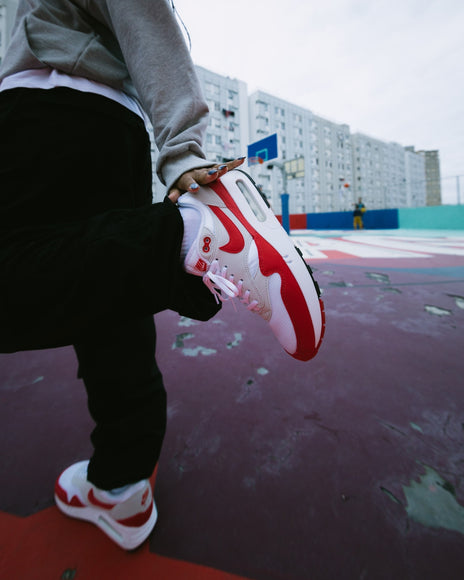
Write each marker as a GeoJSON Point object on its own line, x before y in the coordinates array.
{"type": "Point", "coordinates": [194, 187]}
{"type": "Point", "coordinates": [241, 158]}
{"type": "Point", "coordinates": [212, 171]}
{"type": "Point", "coordinates": [221, 167]}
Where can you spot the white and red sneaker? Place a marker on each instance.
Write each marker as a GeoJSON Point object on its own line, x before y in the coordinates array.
{"type": "Point", "coordinates": [126, 518]}
{"type": "Point", "coordinates": [242, 250]}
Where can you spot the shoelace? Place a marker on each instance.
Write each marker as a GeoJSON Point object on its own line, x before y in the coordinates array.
{"type": "Point", "coordinates": [217, 281]}
{"type": "Point", "coordinates": [244, 297]}
{"type": "Point", "coordinates": [220, 282]}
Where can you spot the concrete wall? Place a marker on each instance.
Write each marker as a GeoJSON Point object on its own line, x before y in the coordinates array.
{"type": "Point", "coordinates": [343, 220]}
{"type": "Point", "coordinates": [442, 217]}
{"type": "Point", "coordinates": [446, 217]}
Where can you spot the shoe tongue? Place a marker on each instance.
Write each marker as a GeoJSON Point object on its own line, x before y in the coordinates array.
{"type": "Point", "coordinates": [253, 259]}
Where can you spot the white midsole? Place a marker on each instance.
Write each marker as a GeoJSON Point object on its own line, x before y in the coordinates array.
{"type": "Point", "coordinates": [125, 536]}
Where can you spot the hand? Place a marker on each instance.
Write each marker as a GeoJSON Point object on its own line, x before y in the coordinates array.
{"type": "Point", "coordinates": [191, 180]}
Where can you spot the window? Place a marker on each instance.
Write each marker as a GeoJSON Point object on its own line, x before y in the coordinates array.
{"type": "Point", "coordinates": [211, 88]}
{"type": "Point", "coordinates": [213, 105]}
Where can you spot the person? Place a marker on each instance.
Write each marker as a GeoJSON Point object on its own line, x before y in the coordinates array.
{"type": "Point", "coordinates": [359, 210]}
{"type": "Point", "coordinates": [87, 258]}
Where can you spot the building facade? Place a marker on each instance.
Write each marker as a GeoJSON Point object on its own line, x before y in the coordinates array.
{"type": "Point", "coordinates": [227, 134]}
{"type": "Point", "coordinates": [314, 165]}
{"type": "Point", "coordinates": [379, 172]}
{"type": "Point", "coordinates": [415, 178]}
{"type": "Point", "coordinates": [334, 166]}
{"type": "Point", "coordinates": [432, 176]}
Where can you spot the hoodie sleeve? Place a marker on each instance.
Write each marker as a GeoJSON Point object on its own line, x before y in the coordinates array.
{"type": "Point", "coordinates": [165, 79]}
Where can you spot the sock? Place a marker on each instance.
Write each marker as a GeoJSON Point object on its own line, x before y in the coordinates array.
{"type": "Point", "coordinates": [191, 218]}
{"type": "Point", "coordinates": [119, 490]}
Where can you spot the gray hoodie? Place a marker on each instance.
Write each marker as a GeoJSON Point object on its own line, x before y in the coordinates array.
{"type": "Point", "coordinates": [133, 46]}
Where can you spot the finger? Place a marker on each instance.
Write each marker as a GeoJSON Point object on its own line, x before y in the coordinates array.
{"type": "Point", "coordinates": [206, 175]}
{"type": "Point", "coordinates": [174, 194]}
{"type": "Point", "coordinates": [191, 180]}
{"type": "Point", "coordinates": [230, 165]}
{"type": "Point", "coordinates": [187, 182]}
{"type": "Point", "coordinates": [235, 163]}
{"type": "Point", "coordinates": [210, 174]}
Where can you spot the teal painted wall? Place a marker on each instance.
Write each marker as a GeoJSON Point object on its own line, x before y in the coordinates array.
{"type": "Point", "coordinates": [443, 217]}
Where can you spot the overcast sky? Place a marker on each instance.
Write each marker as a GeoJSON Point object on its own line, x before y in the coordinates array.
{"type": "Point", "coordinates": [392, 69]}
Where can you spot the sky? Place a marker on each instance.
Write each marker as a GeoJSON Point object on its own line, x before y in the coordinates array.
{"type": "Point", "coordinates": [391, 69]}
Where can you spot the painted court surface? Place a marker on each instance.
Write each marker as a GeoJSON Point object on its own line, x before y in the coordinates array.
{"type": "Point", "coordinates": [348, 467]}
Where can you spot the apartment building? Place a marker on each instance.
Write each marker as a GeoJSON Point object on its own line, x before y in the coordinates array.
{"type": "Point", "coordinates": [314, 165]}
{"type": "Point", "coordinates": [379, 172]}
{"type": "Point", "coordinates": [325, 168]}
{"type": "Point", "coordinates": [332, 177]}
{"type": "Point", "coordinates": [415, 178]}
{"type": "Point", "coordinates": [432, 176]}
{"type": "Point", "coordinates": [269, 115]}
{"type": "Point", "coordinates": [227, 136]}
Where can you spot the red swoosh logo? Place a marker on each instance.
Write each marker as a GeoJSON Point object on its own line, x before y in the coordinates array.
{"type": "Point", "coordinates": [270, 261]}
{"type": "Point", "coordinates": [236, 242]}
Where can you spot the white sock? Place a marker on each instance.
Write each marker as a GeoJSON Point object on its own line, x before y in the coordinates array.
{"type": "Point", "coordinates": [120, 490]}
{"type": "Point", "coordinates": [192, 220]}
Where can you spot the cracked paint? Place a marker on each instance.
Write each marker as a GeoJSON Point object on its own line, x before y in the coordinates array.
{"type": "Point", "coordinates": [184, 321]}
{"type": "Point", "coordinates": [437, 310]}
{"type": "Point", "coordinates": [247, 391]}
{"type": "Point", "coordinates": [390, 289]}
{"type": "Point", "coordinates": [341, 284]}
{"type": "Point", "coordinates": [180, 338]}
{"type": "Point", "coordinates": [459, 300]}
{"type": "Point", "coordinates": [237, 340]}
{"type": "Point", "coordinates": [194, 351]}
{"type": "Point", "coordinates": [391, 495]}
{"type": "Point", "coordinates": [382, 278]}
{"type": "Point", "coordinates": [431, 502]}
{"type": "Point", "coordinates": [198, 350]}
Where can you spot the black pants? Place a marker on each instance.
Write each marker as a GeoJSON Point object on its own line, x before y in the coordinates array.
{"type": "Point", "coordinates": [86, 259]}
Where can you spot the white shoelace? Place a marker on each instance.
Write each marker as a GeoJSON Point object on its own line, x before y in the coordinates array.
{"type": "Point", "coordinates": [217, 281]}
{"type": "Point", "coordinates": [220, 282]}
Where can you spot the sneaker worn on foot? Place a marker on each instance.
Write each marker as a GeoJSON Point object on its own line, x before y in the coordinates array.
{"type": "Point", "coordinates": [242, 250]}
{"type": "Point", "coordinates": [127, 518]}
